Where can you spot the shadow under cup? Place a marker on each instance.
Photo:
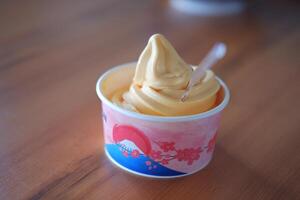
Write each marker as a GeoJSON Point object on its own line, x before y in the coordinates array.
{"type": "Point", "coordinates": [156, 146]}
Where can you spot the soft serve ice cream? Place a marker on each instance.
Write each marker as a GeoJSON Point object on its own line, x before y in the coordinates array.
{"type": "Point", "coordinates": [160, 80]}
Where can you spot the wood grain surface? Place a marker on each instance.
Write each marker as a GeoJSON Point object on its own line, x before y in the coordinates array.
{"type": "Point", "coordinates": [52, 52]}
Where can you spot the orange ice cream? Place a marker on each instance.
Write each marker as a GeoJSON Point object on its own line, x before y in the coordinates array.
{"type": "Point", "coordinates": [160, 79]}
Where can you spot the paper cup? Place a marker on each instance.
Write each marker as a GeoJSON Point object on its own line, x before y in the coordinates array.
{"type": "Point", "coordinates": [156, 146]}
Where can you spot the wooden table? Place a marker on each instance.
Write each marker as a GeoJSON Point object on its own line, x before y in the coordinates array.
{"type": "Point", "coordinates": [52, 52]}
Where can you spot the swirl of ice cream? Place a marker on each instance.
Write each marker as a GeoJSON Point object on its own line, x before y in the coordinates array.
{"type": "Point", "coordinates": [161, 78]}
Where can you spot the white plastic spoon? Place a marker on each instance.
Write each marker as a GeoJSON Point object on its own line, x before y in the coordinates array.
{"type": "Point", "coordinates": [217, 52]}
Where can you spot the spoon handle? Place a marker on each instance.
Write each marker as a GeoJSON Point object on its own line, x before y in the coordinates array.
{"type": "Point", "coordinates": [215, 54]}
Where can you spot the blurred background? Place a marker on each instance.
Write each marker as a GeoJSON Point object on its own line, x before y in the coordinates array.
{"type": "Point", "coordinates": [109, 32]}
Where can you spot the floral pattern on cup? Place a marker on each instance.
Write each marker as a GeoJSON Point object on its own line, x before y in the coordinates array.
{"type": "Point", "coordinates": [165, 152]}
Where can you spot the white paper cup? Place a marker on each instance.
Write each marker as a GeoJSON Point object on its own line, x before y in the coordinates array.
{"type": "Point", "coordinates": [156, 146]}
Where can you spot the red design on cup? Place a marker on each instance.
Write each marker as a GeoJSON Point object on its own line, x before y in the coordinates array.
{"type": "Point", "coordinates": [211, 143]}
{"type": "Point", "coordinates": [135, 153]}
{"type": "Point", "coordinates": [148, 163]}
{"type": "Point", "coordinates": [164, 162]}
{"type": "Point", "coordinates": [166, 146]}
{"type": "Point", "coordinates": [155, 155]}
{"type": "Point", "coordinates": [125, 153]}
{"type": "Point", "coordinates": [168, 149]}
{"type": "Point", "coordinates": [125, 132]}
{"type": "Point", "coordinates": [189, 155]}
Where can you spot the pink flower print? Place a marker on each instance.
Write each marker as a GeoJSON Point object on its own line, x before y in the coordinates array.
{"type": "Point", "coordinates": [125, 153]}
{"type": "Point", "coordinates": [135, 153]}
{"type": "Point", "coordinates": [164, 162]}
{"type": "Point", "coordinates": [148, 163]}
{"type": "Point", "coordinates": [189, 155]}
{"type": "Point", "coordinates": [211, 143]}
{"type": "Point", "coordinates": [155, 155]}
{"type": "Point", "coordinates": [180, 155]}
{"type": "Point", "coordinates": [167, 146]}
{"type": "Point", "coordinates": [194, 154]}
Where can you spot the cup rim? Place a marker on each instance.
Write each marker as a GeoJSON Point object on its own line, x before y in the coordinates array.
{"type": "Point", "coordinates": [156, 118]}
